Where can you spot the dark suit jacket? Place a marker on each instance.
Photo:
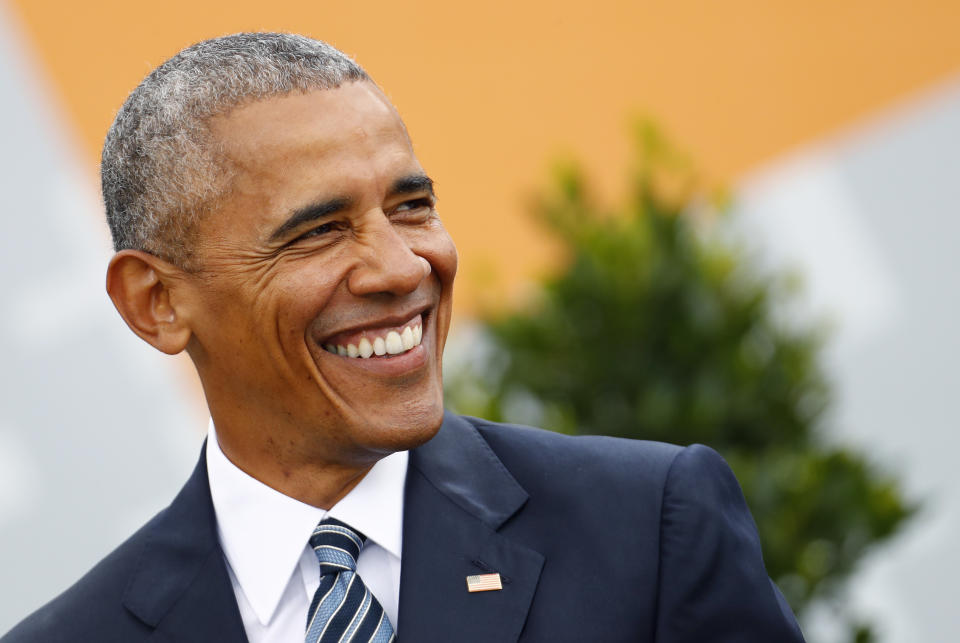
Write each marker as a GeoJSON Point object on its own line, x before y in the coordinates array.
{"type": "Point", "coordinates": [596, 539]}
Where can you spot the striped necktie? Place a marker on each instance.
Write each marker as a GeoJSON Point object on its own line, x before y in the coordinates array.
{"type": "Point", "coordinates": [343, 609]}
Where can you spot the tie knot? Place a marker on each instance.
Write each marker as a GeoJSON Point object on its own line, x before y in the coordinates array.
{"type": "Point", "coordinates": [337, 546]}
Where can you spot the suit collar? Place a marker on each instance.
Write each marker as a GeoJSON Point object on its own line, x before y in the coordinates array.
{"type": "Point", "coordinates": [458, 495]}
{"type": "Point", "coordinates": [461, 465]}
{"type": "Point", "coordinates": [180, 585]}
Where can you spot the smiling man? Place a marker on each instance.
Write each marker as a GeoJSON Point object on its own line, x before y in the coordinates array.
{"type": "Point", "coordinates": [271, 219]}
{"type": "Point", "coordinates": [326, 238]}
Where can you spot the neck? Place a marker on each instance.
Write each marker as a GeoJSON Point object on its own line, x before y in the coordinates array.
{"type": "Point", "coordinates": [313, 482]}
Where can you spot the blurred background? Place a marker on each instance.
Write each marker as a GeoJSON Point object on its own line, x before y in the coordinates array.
{"type": "Point", "coordinates": [776, 183]}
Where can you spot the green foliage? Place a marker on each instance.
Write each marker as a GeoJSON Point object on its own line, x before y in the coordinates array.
{"type": "Point", "coordinates": [658, 328]}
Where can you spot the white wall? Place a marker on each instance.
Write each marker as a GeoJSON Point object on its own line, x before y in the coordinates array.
{"type": "Point", "coordinates": [96, 433]}
{"type": "Point", "coordinates": [871, 222]}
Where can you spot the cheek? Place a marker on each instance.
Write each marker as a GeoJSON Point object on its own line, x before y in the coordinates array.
{"type": "Point", "coordinates": [438, 248]}
{"type": "Point", "coordinates": [442, 255]}
{"type": "Point", "coordinates": [310, 300]}
{"type": "Point", "coordinates": [228, 308]}
{"type": "Point", "coordinates": [301, 301]}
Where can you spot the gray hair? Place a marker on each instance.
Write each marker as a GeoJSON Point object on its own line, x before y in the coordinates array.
{"type": "Point", "coordinates": [160, 168]}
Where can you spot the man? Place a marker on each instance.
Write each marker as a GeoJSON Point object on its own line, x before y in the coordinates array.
{"type": "Point", "coordinates": [271, 219]}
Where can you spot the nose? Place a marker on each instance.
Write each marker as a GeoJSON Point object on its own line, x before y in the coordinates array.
{"type": "Point", "coordinates": [387, 263]}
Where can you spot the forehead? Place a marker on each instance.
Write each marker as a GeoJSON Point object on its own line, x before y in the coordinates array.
{"type": "Point", "coordinates": [319, 123]}
{"type": "Point", "coordinates": [291, 150]}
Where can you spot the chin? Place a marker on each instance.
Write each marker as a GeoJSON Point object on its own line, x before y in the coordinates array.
{"type": "Point", "coordinates": [407, 430]}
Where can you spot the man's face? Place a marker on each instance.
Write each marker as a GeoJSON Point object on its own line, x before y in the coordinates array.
{"type": "Point", "coordinates": [328, 243]}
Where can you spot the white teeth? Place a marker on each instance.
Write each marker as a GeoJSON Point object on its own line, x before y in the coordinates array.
{"type": "Point", "coordinates": [407, 338]}
{"type": "Point", "coordinates": [394, 343]}
{"type": "Point", "coordinates": [366, 348]}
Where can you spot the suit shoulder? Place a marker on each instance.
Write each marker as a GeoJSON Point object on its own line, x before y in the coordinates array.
{"type": "Point", "coordinates": [91, 608]}
{"type": "Point", "coordinates": [528, 448]}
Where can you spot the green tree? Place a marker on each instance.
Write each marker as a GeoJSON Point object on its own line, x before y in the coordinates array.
{"type": "Point", "coordinates": [657, 327]}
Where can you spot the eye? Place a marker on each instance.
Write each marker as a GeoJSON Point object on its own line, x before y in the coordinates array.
{"type": "Point", "coordinates": [320, 230]}
{"type": "Point", "coordinates": [425, 202]}
{"type": "Point", "coordinates": [414, 207]}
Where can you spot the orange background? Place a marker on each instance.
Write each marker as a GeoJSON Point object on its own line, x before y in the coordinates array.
{"type": "Point", "coordinates": [493, 91]}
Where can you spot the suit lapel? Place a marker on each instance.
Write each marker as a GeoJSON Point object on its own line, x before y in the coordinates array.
{"type": "Point", "coordinates": [458, 495]}
{"type": "Point", "coordinates": [181, 587]}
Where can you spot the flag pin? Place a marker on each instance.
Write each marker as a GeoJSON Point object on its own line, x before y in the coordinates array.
{"type": "Point", "coordinates": [483, 583]}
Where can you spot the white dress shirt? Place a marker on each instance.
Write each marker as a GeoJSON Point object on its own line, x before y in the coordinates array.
{"type": "Point", "coordinates": [265, 534]}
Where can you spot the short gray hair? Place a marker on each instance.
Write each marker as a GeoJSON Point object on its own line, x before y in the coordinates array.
{"type": "Point", "coordinates": [160, 168]}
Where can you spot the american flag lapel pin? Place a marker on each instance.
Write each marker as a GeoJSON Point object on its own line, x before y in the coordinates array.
{"type": "Point", "coordinates": [484, 583]}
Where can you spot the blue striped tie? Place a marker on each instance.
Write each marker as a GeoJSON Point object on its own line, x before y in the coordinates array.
{"type": "Point", "coordinates": [343, 609]}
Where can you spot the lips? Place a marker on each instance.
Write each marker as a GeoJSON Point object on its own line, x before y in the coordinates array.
{"type": "Point", "coordinates": [379, 341]}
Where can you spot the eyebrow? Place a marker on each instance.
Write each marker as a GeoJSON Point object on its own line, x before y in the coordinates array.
{"type": "Point", "coordinates": [310, 212]}
{"type": "Point", "coordinates": [409, 184]}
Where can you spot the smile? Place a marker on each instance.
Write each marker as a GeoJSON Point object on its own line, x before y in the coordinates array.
{"type": "Point", "coordinates": [380, 342]}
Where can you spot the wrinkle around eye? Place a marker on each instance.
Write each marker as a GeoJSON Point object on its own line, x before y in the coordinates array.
{"type": "Point", "coordinates": [248, 271]}
{"type": "Point", "coordinates": [309, 246]}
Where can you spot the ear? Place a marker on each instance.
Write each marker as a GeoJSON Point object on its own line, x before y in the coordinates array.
{"type": "Point", "coordinates": [142, 287]}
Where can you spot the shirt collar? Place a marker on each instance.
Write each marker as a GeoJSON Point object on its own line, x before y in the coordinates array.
{"type": "Point", "coordinates": [264, 532]}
